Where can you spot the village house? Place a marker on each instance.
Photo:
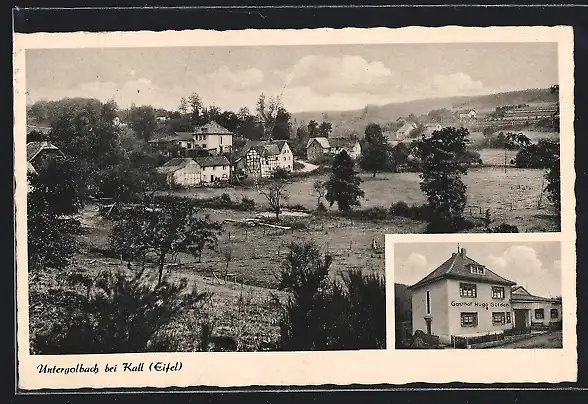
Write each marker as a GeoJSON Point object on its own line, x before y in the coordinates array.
{"type": "Point", "coordinates": [189, 172]}
{"type": "Point", "coordinates": [211, 138]}
{"type": "Point", "coordinates": [463, 298]}
{"type": "Point", "coordinates": [404, 131]}
{"type": "Point", "coordinates": [319, 146]}
{"type": "Point", "coordinates": [260, 159]}
{"type": "Point", "coordinates": [429, 128]}
{"type": "Point", "coordinates": [38, 153]}
{"type": "Point", "coordinates": [466, 114]}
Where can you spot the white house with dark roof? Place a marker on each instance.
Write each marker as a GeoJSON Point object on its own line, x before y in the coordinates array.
{"type": "Point", "coordinates": [212, 138]}
{"type": "Point", "coordinates": [190, 172]}
{"type": "Point", "coordinates": [464, 298]}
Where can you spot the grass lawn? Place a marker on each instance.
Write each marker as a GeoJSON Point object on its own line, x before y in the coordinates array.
{"type": "Point", "coordinates": [510, 196]}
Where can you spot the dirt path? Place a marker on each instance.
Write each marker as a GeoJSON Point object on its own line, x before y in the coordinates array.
{"type": "Point", "coordinates": [550, 340]}
{"type": "Point", "coordinates": [307, 166]}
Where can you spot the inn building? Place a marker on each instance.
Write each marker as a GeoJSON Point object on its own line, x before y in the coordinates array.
{"type": "Point", "coordinates": [464, 298]}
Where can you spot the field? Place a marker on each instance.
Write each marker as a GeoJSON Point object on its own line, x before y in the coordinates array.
{"type": "Point", "coordinates": [242, 302]}
{"type": "Point", "coordinates": [512, 196]}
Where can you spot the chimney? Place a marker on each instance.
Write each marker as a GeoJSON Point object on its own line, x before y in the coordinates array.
{"type": "Point", "coordinates": [463, 252]}
{"type": "Point", "coordinates": [453, 255]}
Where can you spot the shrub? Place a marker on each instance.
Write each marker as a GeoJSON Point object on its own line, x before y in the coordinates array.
{"type": "Point", "coordinates": [502, 228]}
{"type": "Point", "coordinates": [247, 204]}
{"type": "Point", "coordinates": [112, 313]}
{"type": "Point", "coordinates": [225, 197]}
{"type": "Point", "coordinates": [323, 314]}
{"type": "Point", "coordinates": [440, 224]}
{"type": "Point", "coordinates": [416, 212]}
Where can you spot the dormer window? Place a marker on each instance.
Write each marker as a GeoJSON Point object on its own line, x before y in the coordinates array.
{"type": "Point", "coordinates": [477, 269]}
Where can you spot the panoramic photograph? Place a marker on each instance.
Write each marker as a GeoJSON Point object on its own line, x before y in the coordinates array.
{"type": "Point", "coordinates": [478, 295]}
{"type": "Point", "coordinates": [224, 198]}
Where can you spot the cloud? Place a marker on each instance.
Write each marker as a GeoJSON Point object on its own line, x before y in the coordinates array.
{"type": "Point", "coordinates": [522, 265]}
{"type": "Point", "coordinates": [345, 74]}
{"type": "Point", "coordinates": [410, 269]}
{"type": "Point", "coordinates": [239, 79]}
{"type": "Point", "coordinates": [456, 84]}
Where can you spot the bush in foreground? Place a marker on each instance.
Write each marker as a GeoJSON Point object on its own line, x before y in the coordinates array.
{"type": "Point", "coordinates": [112, 313]}
{"type": "Point", "coordinates": [323, 314]}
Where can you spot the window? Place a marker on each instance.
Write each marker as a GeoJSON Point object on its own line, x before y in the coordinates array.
{"type": "Point", "coordinates": [476, 269]}
{"type": "Point", "coordinates": [498, 318]}
{"type": "Point", "coordinates": [467, 290]}
{"type": "Point", "coordinates": [508, 317]}
{"type": "Point", "coordinates": [428, 302]}
{"type": "Point", "coordinates": [189, 145]}
{"type": "Point", "coordinates": [554, 313]}
{"type": "Point", "coordinates": [497, 292]}
{"type": "Point", "coordinates": [539, 314]}
{"type": "Point", "coordinates": [221, 140]}
{"type": "Point", "coordinates": [469, 319]}
{"type": "Point", "coordinates": [204, 146]}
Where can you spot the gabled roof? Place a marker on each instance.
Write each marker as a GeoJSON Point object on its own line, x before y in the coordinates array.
{"type": "Point", "coordinates": [263, 148]}
{"type": "Point", "coordinates": [182, 136]}
{"type": "Point", "coordinates": [322, 141]}
{"type": "Point", "coordinates": [520, 294]}
{"type": "Point", "coordinates": [211, 128]}
{"type": "Point", "coordinates": [212, 161]}
{"type": "Point", "coordinates": [342, 142]}
{"type": "Point", "coordinates": [34, 148]}
{"type": "Point", "coordinates": [457, 267]}
{"type": "Point", "coordinates": [174, 165]}
{"type": "Point", "coordinates": [280, 143]}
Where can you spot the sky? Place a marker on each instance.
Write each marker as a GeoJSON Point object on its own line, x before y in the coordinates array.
{"type": "Point", "coordinates": [535, 266]}
{"type": "Point", "coordinates": [308, 78]}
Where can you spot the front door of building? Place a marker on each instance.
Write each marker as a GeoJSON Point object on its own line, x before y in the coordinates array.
{"type": "Point", "coordinates": [428, 321]}
{"type": "Point", "coordinates": [520, 319]}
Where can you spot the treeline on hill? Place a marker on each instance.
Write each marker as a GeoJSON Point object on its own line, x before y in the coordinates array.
{"type": "Point", "coordinates": [143, 123]}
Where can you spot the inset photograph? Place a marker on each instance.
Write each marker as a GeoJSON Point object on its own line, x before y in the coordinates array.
{"type": "Point", "coordinates": [451, 295]}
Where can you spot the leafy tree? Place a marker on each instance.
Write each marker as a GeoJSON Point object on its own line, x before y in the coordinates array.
{"type": "Point", "coordinates": [266, 113]}
{"type": "Point", "coordinates": [538, 155]}
{"type": "Point", "coordinates": [49, 241]}
{"type": "Point", "coordinates": [401, 155]}
{"type": "Point", "coordinates": [229, 120]}
{"type": "Point", "coordinates": [343, 184]}
{"type": "Point", "coordinates": [305, 275]}
{"type": "Point", "coordinates": [282, 127]}
{"type": "Point", "coordinates": [165, 230]}
{"type": "Point", "coordinates": [440, 115]}
{"type": "Point", "coordinates": [183, 108]}
{"type": "Point", "coordinates": [275, 193]}
{"type": "Point", "coordinates": [201, 233]}
{"type": "Point", "coordinates": [442, 167]}
{"type": "Point", "coordinates": [212, 113]}
{"type": "Point", "coordinates": [111, 313]}
{"type": "Point", "coordinates": [55, 192]}
{"type": "Point", "coordinates": [248, 126]}
{"type": "Point", "coordinates": [128, 236]}
{"type": "Point", "coordinates": [322, 313]}
{"type": "Point", "coordinates": [325, 129]}
{"type": "Point", "coordinates": [57, 188]}
{"type": "Point", "coordinates": [143, 121]}
{"type": "Point", "coordinates": [196, 110]}
{"type": "Point", "coordinates": [377, 155]}
{"type": "Point", "coordinates": [553, 187]}
{"type": "Point", "coordinates": [313, 128]}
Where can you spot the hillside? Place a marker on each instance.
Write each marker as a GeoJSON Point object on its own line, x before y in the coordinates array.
{"type": "Point", "coordinates": [346, 122]}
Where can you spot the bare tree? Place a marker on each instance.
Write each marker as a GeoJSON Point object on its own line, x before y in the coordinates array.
{"type": "Point", "coordinates": [319, 191]}
{"type": "Point", "coordinates": [275, 193]}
